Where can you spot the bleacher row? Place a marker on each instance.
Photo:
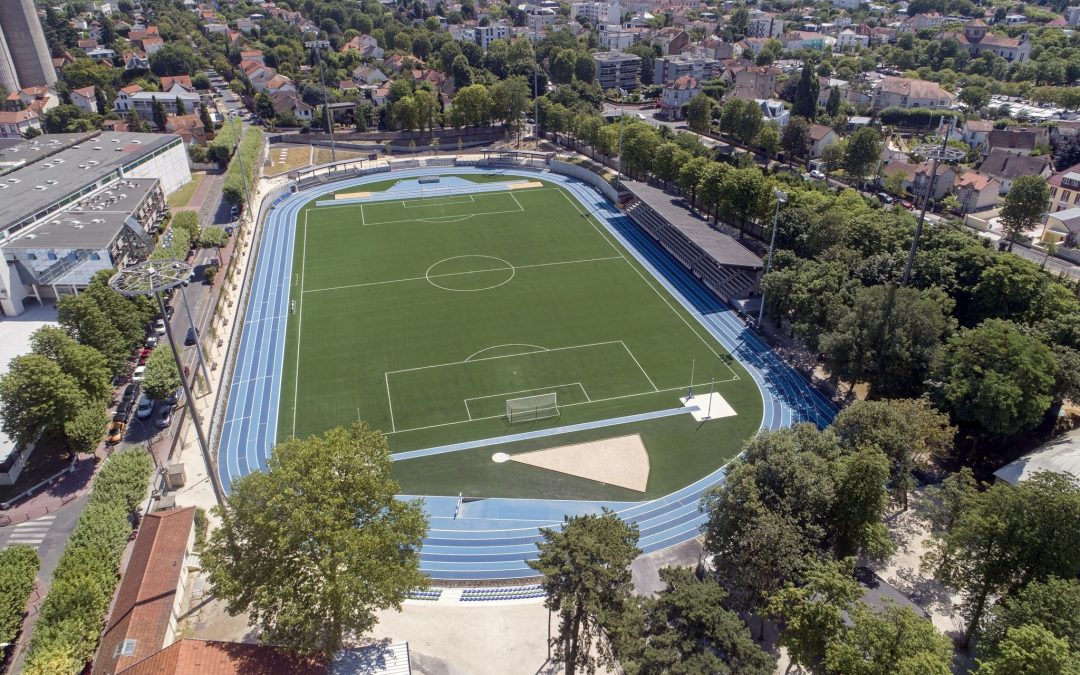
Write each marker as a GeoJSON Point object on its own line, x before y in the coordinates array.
{"type": "Point", "coordinates": [510, 593]}
{"type": "Point", "coordinates": [323, 178]}
{"type": "Point", "coordinates": [431, 594]}
{"type": "Point", "coordinates": [728, 283]}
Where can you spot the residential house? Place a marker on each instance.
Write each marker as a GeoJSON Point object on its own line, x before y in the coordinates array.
{"type": "Point", "coordinates": [675, 96]}
{"type": "Point", "coordinates": [16, 124]}
{"type": "Point", "coordinates": [801, 39]}
{"type": "Point", "coordinates": [378, 97]}
{"type": "Point", "coordinates": [751, 44]}
{"type": "Point", "coordinates": [848, 93]}
{"type": "Point", "coordinates": [176, 84]}
{"type": "Point", "coordinates": [101, 54]}
{"type": "Point", "coordinates": [290, 103]}
{"type": "Point", "coordinates": [364, 74]}
{"type": "Point", "coordinates": [1007, 167]}
{"type": "Point", "coordinates": [188, 127]}
{"type": "Point", "coordinates": [39, 98]}
{"type": "Point", "coordinates": [774, 111]}
{"type": "Point", "coordinates": [671, 41]}
{"type": "Point", "coordinates": [365, 44]}
{"type": "Point", "coordinates": [1062, 227]}
{"type": "Point", "coordinates": [753, 82]}
{"type": "Point", "coordinates": [143, 102]}
{"type": "Point", "coordinates": [821, 137]}
{"type": "Point", "coordinates": [714, 47]}
{"type": "Point", "coordinates": [136, 61]}
{"type": "Point", "coordinates": [152, 44]}
{"type": "Point", "coordinates": [1017, 141]}
{"type": "Point", "coordinates": [278, 83]}
{"type": "Point", "coordinates": [255, 55]}
{"type": "Point", "coordinates": [1064, 189]}
{"type": "Point", "coordinates": [848, 40]}
{"type": "Point", "coordinates": [943, 185]}
{"type": "Point", "coordinates": [974, 132]}
{"type": "Point", "coordinates": [976, 191]}
{"type": "Point", "coordinates": [976, 40]}
{"type": "Point", "coordinates": [918, 22]}
{"type": "Point", "coordinates": [85, 99]}
{"type": "Point", "coordinates": [909, 93]}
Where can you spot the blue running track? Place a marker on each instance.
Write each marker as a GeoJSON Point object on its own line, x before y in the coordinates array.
{"type": "Point", "coordinates": [493, 538]}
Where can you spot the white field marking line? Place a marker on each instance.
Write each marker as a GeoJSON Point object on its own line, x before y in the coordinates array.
{"type": "Point", "coordinates": [526, 391]}
{"type": "Point", "coordinates": [514, 197]}
{"type": "Point", "coordinates": [455, 274]}
{"type": "Point", "coordinates": [491, 193]}
{"type": "Point", "coordinates": [504, 356]}
{"type": "Point", "coordinates": [405, 205]}
{"type": "Point", "coordinates": [568, 405]}
{"type": "Point", "coordinates": [639, 365]}
{"type": "Point", "coordinates": [363, 221]}
{"type": "Point", "coordinates": [439, 220]}
{"type": "Point", "coordinates": [299, 326]}
{"type": "Point", "coordinates": [431, 218]}
{"type": "Point", "coordinates": [390, 402]}
{"type": "Point", "coordinates": [649, 284]}
{"type": "Point", "coordinates": [537, 348]}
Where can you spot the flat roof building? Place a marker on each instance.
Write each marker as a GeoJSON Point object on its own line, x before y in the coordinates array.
{"type": "Point", "coordinates": [616, 70]}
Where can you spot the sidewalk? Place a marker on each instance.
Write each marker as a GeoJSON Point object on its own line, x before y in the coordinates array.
{"type": "Point", "coordinates": [67, 488]}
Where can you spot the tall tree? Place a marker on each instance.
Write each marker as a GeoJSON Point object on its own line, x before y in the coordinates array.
{"type": "Point", "coordinates": [1004, 538]}
{"type": "Point", "coordinates": [180, 108]}
{"type": "Point", "coordinates": [84, 320]}
{"type": "Point", "coordinates": [161, 378]}
{"type": "Point", "coordinates": [1024, 207]}
{"type": "Point", "coordinates": [699, 113]}
{"type": "Point", "coordinates": [689, 178]}
{"type": "Point", "coordinates": [747, 195]}
{"type": "Point", "coordinates": [832, 107]}
{"type": "Point", "coordinates": [686, 630]}
{"type": "Point", "coordinates": [1053, 604]}
{"type": "Point", "coordinates": [586, 568]}
{"type": "Point", "coordinates": [1031, 650]}
{"type": "Point", "coordinates": [813, 612]}
{"type": "Point", "coordinates": [204, 117]}
{"type": "Point", "coordinates": [159, 113]}
{"type": "Point", "coordinates": [908, 431]}
{"type": "Point", "coordinates": [316, 544]}
{"type": "Point", "coordinates": [889, 338]}
{"type": "Point", "coordinates": [996, 377]}
{"type": "Point", "coordinates": [863, 152]}
{"type": "Point", "coordinates": [37, 397]}
{"type": "Point", "coordinates": [806, 93]}
{"type": "Point", "coordinates": [795, 138]}
{"type": "Point", "coordinates": [85, 364]}
{"type": "Point", "coordinates": [892, 641]}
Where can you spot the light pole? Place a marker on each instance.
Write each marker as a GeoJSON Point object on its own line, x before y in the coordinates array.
{"type": "Point", "coordinates": [938, 154]}
{"type": "Point", "coordinates": [151, 278]}
{"type": "Point", "coordinates": [781, 197]}
{"type": "Point", "coordinates": [319, 45]}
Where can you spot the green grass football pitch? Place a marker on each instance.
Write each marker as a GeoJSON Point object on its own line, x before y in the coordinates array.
{"type": "Point", "coordinates": [422, 317]}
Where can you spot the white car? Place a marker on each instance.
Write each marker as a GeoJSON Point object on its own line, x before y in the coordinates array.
{"type": "Point", "coordinates": [159, 327]}
{"type": "Point", "coordinates": [139, 374]}
{"type": "Point", "coordinates": [817, 175]}
{"type": "Point", "coordinates": [146, 407]}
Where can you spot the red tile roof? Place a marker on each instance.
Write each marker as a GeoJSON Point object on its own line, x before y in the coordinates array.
{"type": "Point", "coordinates": [208, 657]}
{"type": "Point", "coordinates": [148, 592]}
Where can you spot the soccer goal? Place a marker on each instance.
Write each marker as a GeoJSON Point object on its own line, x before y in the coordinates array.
{"type": "Point", "coordinates": [531, 408]}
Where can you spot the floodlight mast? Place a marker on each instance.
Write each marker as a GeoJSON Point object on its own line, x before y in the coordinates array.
{"type": "Point", "coordinates": [942, 153]}
{"type": "Point", "coordinates": [151, 278]}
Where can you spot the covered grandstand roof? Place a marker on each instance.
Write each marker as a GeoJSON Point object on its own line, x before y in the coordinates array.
{"type": "Point", "coordinates": [724, 249]}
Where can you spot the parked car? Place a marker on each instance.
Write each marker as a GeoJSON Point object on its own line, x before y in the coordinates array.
{"type": "Point", "coordinates": [173, 399]}
{"type": "Point", "coordinates": [159, 327]}
{"type": "Point", "coordinates": [130, 392]}
{"type": "Point", "coordinates": [164, 418]}
{"type": "Point", "coordinates": [191, 337]}
{"type": "Point", "coordinates": [885, 198]}
{"type": "Point", "coordinates": [115, 433]}
{"type": "Point", "coordinates": [146, 407]}
{"type": "Point", "coordinates": [151, 341]}
{"type": "Point", "coordinates": [817, 175]}
{"type": "Point", "coordinates": [139, 374]}
{"type": "Point", "coordinates": [123, 411]}
{"type": "Point", "coordinates": [908, 204]}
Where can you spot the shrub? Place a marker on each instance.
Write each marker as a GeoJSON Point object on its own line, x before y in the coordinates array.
{"type": "Point", "coordinates": [221, 148]}
{"type": "Point", "coordinates": [915, 117]}
{"type": "Point", "coordinates": [67, 632]}
{"type": "Point", "coordinates": [210, 272]}
{"type": "Point", "coordinates": [18, 567]}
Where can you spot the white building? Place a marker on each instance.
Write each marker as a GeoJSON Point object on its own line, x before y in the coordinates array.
{"type": "Point", "coordinates": [597, 13]}
{"type": "Point", "coordinates": [670, 68]}
{"type": "Point", "coordinates": [849, 40]}
{"type": "Point", "coordinates": [765, 25]}
{"type": "Point", "coordinates": [617, 70]}
{"type": "Point", "coordinates": [616, 38]}
{"type": "Point", "coordinates": [676, 95]}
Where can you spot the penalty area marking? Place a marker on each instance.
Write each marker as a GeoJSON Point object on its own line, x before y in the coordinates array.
{"type": "Point", "coordinates": [535, 348]}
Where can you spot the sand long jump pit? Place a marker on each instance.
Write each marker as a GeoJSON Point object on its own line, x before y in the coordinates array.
{"type": "Point", "coordinates": [622, 461]}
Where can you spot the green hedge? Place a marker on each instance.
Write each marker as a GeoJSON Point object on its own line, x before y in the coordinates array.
{"type": "Point", "coordinates": [235, 182]}
{"type": "Point", "coordinates": [221, 148]}
{"type": "Point", "coordinates": [915, 117]}
{"type": "Point", "coordinates": [66, 635]}
{"type": "Point", "coordinates": [181, 244]}
{"type": "Point", "coordinates": [18, 567]}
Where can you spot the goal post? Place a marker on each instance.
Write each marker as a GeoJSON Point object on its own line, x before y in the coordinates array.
{"type": "Point", "coordinates": [531, 408]}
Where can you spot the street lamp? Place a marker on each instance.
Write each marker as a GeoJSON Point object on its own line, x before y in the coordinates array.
{"type": "Point", "coordinates": [151, 277]}
{"type": "Point", "coordinates": [317, 46]}
{"type": "Point", "coordinates": [781, 197]}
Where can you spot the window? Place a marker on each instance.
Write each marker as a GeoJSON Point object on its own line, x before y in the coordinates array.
{"type": "Point", "coordinates": [51, 255]}
{"type": "Point", "coordinates": [1053, 191]}
{"type": "Point", "coordinates": [125, 648]}
{"type": "Point", "coordinates": [1064, 195]}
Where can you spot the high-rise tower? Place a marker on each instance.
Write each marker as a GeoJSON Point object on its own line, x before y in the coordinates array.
{"type": "Point", "coordinates": [24, 55]}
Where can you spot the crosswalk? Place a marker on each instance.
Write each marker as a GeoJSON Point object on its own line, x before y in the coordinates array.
{"type": "Point", "coordinates": [30, 533]}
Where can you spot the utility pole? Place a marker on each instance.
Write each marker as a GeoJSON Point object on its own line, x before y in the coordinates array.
{"type": "Point", "coordinates": [781, 197]}
{"type": "Point", "coordinates": [937, 154]}
{"type": "Point", "coordinates": [319, 45]}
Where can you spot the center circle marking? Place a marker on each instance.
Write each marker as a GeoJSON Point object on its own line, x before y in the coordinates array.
{"type": "Point", "coordinates": [483, 263]}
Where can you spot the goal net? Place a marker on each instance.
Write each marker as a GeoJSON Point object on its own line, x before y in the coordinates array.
{"type": "Point", "coordinates": [530, 408]}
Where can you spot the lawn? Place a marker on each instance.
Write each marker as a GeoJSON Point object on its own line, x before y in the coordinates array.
{"type": "Point", "coordinates": [181, 197]}
{"type": "Point", "coordinates": [323, 155]}
{"type": "Point", "coordinates": [283, 158]}
{"type": "Point", "coordinates": [424, 316]}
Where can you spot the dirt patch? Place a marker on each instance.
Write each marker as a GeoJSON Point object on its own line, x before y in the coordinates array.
{"type": "Point", "coordinates": [621, 461]}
